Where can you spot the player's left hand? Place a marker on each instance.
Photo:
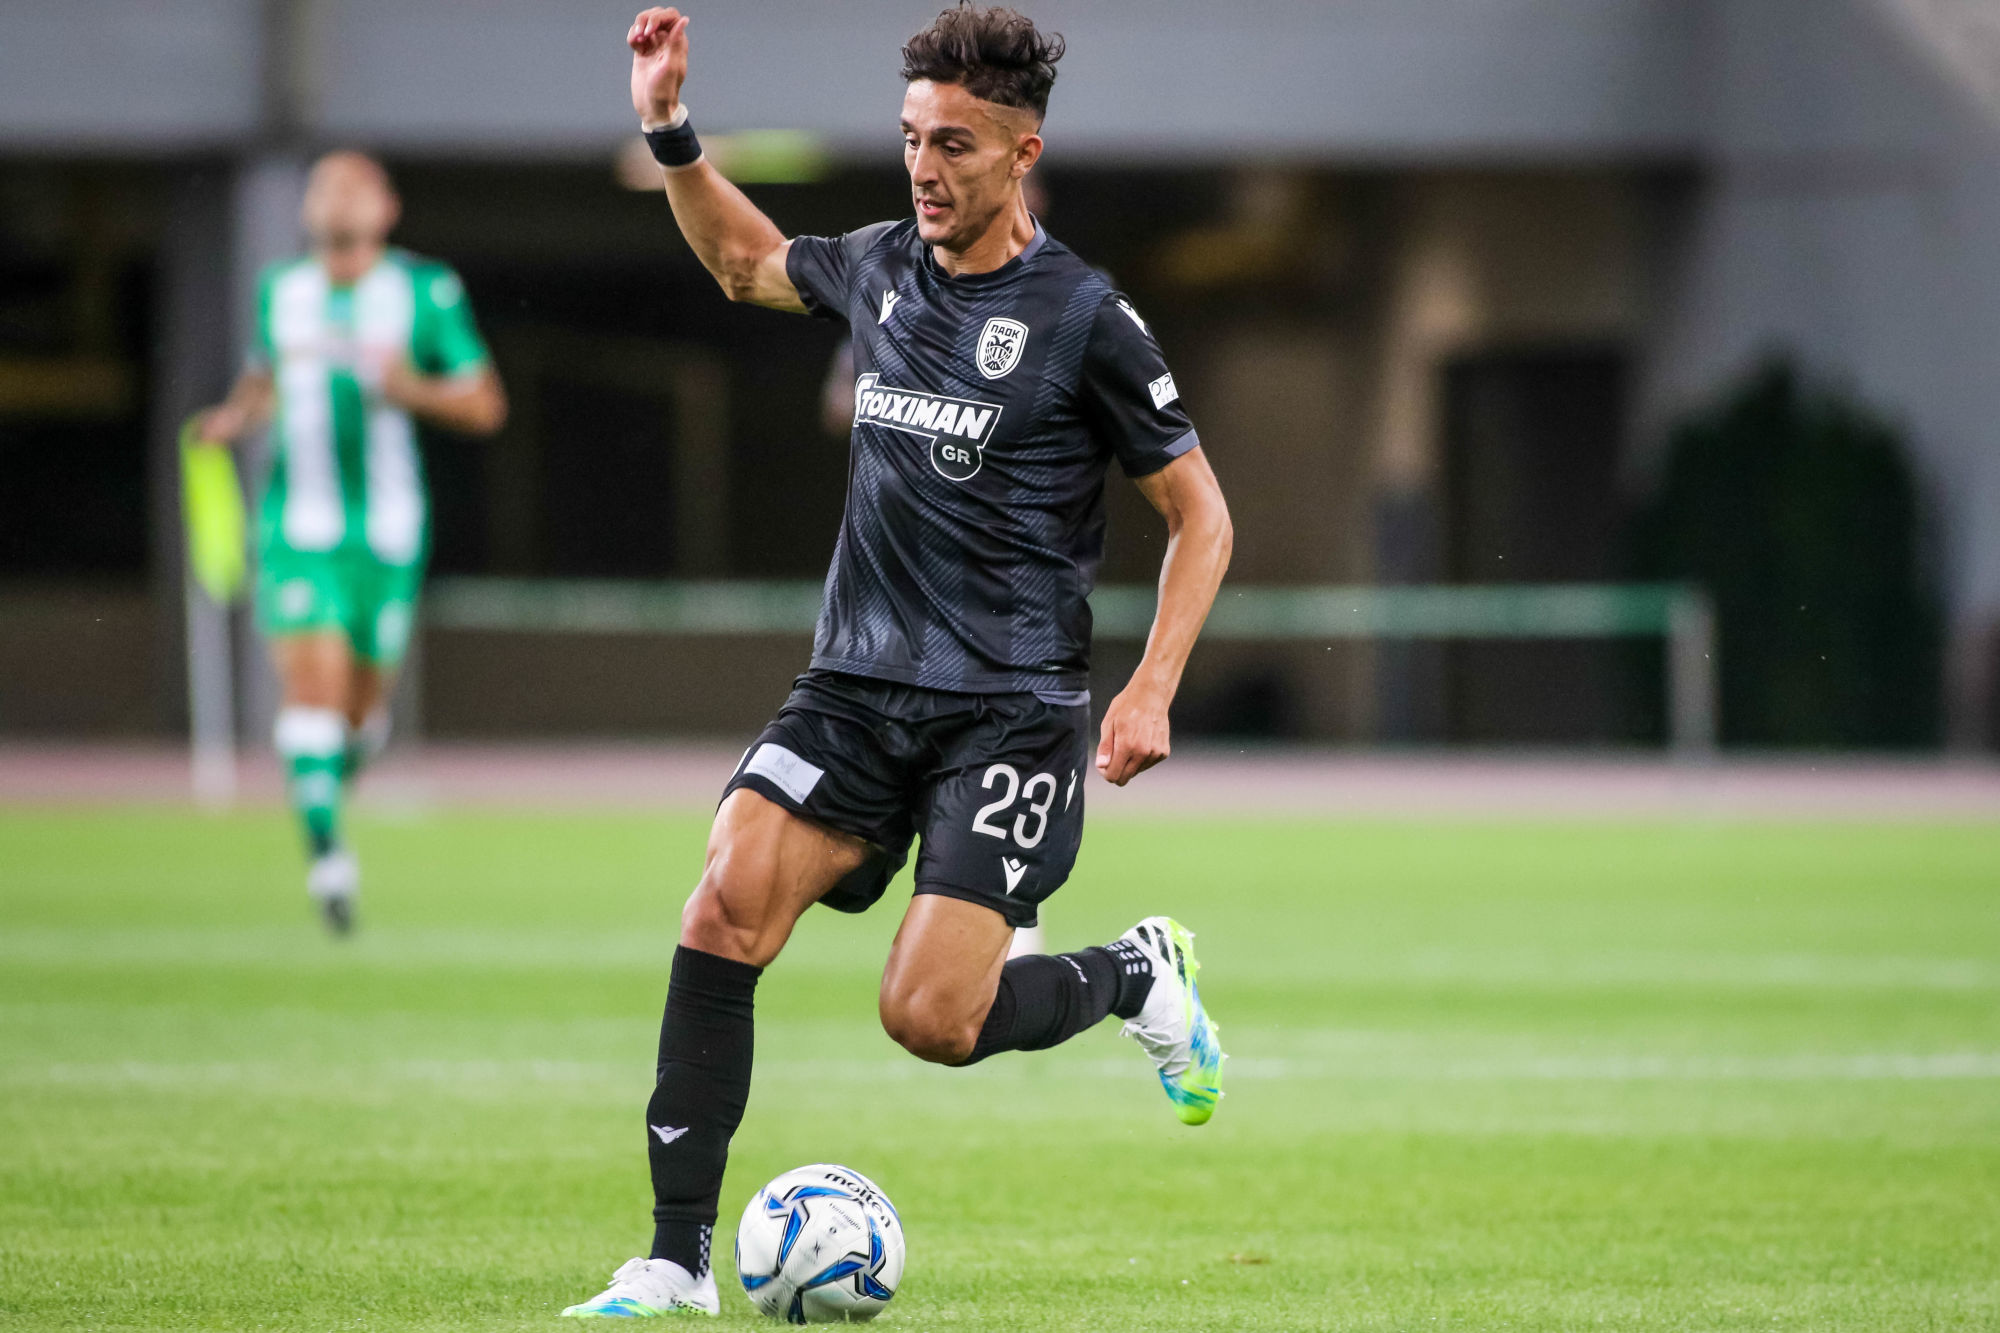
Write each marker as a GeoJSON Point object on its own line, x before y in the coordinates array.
{"type": "Point", "coordinates": [1135, 733]}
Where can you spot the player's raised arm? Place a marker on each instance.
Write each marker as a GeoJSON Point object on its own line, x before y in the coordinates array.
{"type": "Point", "coordinates": [742, 248]}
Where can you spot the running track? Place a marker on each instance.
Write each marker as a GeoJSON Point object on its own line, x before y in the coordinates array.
{"type": "Point", "coordinates": [1291, 782]}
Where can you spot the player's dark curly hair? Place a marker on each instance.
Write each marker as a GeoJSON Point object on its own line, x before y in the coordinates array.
{"type": "Point", "coordinates": [996, 54]}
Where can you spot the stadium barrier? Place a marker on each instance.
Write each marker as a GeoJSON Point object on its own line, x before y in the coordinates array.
{"type": "Point", "coordinates": [1678, 613]}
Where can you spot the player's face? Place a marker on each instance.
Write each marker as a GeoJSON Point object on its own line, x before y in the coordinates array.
{"type": "Point", "coordinates": [348, 203]}
{"type": "Point", "coordinates": [965, 157]}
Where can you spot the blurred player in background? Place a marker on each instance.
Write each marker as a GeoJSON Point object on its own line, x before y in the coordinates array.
{"type": "Point", "coordinates": [352, 342]}
{"type": "Point", "coordinates": [947, 699]}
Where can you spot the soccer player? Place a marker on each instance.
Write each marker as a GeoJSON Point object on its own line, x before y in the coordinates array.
{"type": "Point", "coordinates": [351, 342]}
{"type": "Point", "coordinates": [997, 377]}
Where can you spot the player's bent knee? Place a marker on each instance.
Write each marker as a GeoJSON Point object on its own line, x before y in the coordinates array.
{"type": "Point", "coordinates": [924, 1032]}
{"type": "Point", "coordinates": [937, 1044]}
{"type": "Point", "coordinates": [723, 918]}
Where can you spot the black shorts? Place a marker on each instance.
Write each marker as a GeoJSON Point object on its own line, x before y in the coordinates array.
{"type": "Point", "coordinates": [993, 782]}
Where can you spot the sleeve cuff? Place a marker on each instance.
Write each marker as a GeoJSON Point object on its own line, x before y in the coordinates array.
{"type": "Point", "coordinates": [814, 306]}
{"type": "Point", "coordinates": [1186, 443]}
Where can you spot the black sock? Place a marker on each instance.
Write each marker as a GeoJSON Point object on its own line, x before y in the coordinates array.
{"type": "Point", "coordinates": [1046, 999]}
{"type": "Point", "coordinates": [1135, 978]}
{"type": "Point", "coordinates": [706, 1040]}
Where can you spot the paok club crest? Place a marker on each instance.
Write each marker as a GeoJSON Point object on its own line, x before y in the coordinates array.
{"type": "Point", "coordinates": [1000, 344]}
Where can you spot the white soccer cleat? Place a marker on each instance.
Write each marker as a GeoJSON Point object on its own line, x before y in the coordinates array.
{"type": "Point", "coordinates": [648, 1289]}
{"type": "Point", "coordinates": [1173, 1027]}
{"type": "Point", "coordinates": [334, 881]}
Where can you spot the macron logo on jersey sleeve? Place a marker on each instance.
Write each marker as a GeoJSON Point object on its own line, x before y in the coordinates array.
{"type": "Point", "coordinates": [957, 429]}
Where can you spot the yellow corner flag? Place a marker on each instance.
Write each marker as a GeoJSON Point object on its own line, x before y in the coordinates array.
{"type": "Point", "coordinates": [212, 510]}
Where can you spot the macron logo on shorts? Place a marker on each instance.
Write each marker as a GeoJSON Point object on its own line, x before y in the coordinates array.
{"type": "Point", "coordinates": [790, 774]}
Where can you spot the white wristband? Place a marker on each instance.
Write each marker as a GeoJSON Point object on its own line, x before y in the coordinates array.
{"type": "Point", "coordinates": [673, 122]}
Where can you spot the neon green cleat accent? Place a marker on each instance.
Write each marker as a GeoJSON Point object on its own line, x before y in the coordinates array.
{"type": "Point", "coordinates": [650, 1289]}
{"type": "Point", "coordinates": [1173, 1028]}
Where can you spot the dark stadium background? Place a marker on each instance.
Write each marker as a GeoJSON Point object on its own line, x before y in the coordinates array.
{"type": "Point", "coordinates": [1436, 328]}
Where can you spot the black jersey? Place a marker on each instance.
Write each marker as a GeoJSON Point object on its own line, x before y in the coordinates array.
{"type": "Point", "coordinates": [986, 408]}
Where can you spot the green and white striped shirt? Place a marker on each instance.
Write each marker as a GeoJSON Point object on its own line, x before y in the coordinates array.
{"type": "Point", "coordinates": [347, 472]}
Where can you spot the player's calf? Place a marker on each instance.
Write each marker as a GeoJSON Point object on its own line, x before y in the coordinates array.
{"type": "Point", "coordinates": [312, 741]}
{"type": "Point", "coordinates": [765, 867]}
{"type": "Point", "coordinates": [701, 1086]}
{"type": "Point", "coordinates": [951, 996]}
{"type": "Point", "coordinates": [1043, 1001]}
{"type": "Point", "coordinates": [1146, 977]}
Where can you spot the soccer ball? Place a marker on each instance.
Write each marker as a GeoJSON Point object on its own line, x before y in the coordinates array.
{"type": "Point", "coordinates": [820, 1244]}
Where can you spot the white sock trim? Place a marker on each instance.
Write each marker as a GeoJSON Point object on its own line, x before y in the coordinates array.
{"type": "Point", "coordinates": [309, 733]}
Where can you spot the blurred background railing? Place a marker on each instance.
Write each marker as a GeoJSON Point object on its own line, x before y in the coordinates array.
{"type": "Point", "coordinates": [1680, 616]}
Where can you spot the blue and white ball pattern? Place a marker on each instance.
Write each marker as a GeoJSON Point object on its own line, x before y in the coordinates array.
{"type": "Point", "coordinates": [819, 1245]}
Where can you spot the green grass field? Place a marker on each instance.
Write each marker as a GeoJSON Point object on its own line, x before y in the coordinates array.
{"type": "Point", "coordinates": [1487, 1075]}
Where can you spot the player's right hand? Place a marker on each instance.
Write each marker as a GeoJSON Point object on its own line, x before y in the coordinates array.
{"type": "Point", "coordinates": [1136, 733]}
{"type": "Point", "coordinates": [659, 43]}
